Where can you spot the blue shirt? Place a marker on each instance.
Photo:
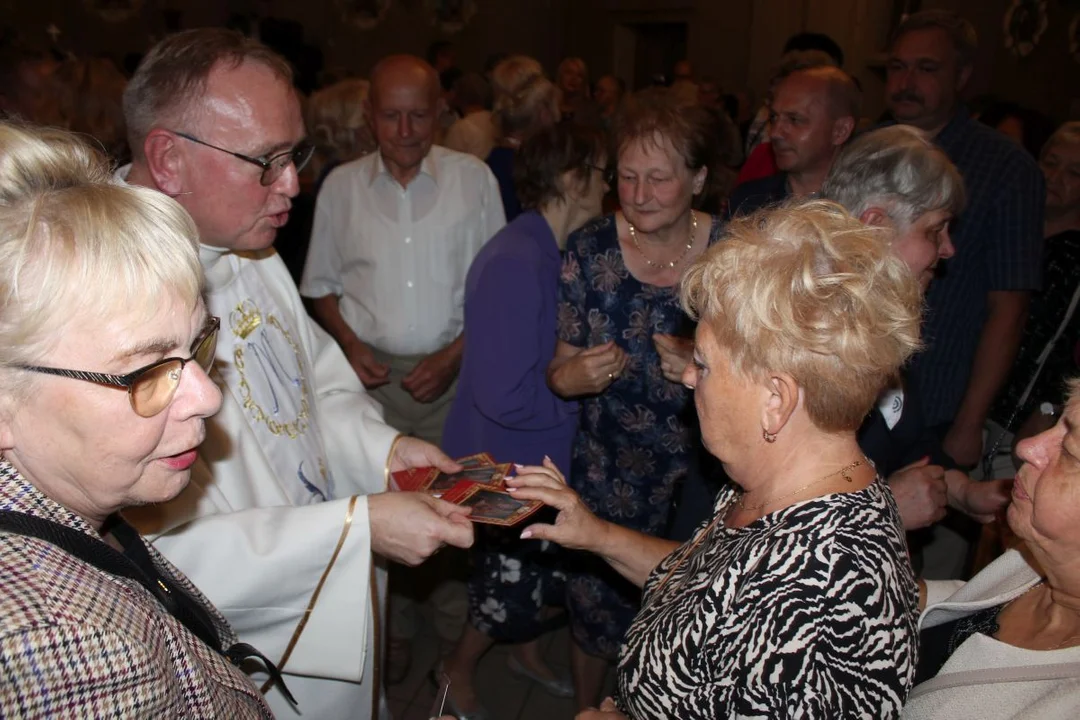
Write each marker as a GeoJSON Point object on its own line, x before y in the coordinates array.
{"type": "Point", "coordinates": [754, 195]}
{"type": "Point", "coordinates": [503, 404]}
{"type": "Point", "coordinates": [999, 246]}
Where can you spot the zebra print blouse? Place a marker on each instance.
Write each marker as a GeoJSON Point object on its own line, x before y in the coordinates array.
{"type": "Point", "coordinates": [809, 612]}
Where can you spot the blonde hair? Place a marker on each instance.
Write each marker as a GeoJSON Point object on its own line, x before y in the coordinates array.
{"type": "Point", "coordinates": [578, 63]}
{"type": "Point", "coordinates": [168, 86]}
{"type": "Point", "coordinates": [73, 239]}
{"type": "Point", "coordinates": [510, 74]}
{"type": "Point", "coordinates": [808, 290]}
{"type": "Point", "coordinates": [533, 106]}
{"type": "Point", "coordinates": [337, 120]}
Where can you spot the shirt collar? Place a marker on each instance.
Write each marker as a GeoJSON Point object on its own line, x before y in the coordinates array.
{"type": "Point", "coordinates": [428, 167]}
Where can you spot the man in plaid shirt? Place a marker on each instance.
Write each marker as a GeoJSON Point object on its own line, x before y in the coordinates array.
{"type": "Point", "coordinates": [977, 310]}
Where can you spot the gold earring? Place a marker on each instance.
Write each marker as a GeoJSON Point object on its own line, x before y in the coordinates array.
{"type": "Point", "coordinates": [769, 437]}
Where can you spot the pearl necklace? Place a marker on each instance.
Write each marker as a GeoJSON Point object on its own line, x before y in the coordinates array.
{"type": "Point", "coordinates": [672, 263]}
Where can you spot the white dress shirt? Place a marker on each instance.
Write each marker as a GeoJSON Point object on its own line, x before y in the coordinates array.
{"type": "Point", "coordinates": [397, 257]}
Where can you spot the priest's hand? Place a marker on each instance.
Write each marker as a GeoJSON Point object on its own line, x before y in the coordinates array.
{"type": "Point", "coordinates": [433, 375]}
{"type": "Point", "coordinates": [409, 527]}
{"type": "Point", "coordinates": [411, 452]}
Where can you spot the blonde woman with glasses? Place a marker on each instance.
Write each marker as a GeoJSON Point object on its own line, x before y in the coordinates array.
{"type": "Point", "coordinates": [105, 344]}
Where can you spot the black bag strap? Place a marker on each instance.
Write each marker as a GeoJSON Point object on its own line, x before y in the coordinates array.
{"type": "Point", "coordinates": [135, 563]}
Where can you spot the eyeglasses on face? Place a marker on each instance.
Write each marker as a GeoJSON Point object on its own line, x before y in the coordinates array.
{"type": "Point", "coordinates": [608, 173]}
{"type": "Point", "coordinates": [272, 167]}
{"type": "Point", "coordinates": [150, 388]}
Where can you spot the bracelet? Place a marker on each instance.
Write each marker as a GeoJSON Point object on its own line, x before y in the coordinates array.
{"type": "Point", "coordinates": [389, 459]}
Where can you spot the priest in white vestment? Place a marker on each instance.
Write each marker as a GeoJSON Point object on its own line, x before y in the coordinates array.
{"type": "Point", "coordinates": [286, 503]}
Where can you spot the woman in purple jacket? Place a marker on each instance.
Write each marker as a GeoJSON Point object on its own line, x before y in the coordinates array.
{"type": "Point", "coordinates": [503, 404]}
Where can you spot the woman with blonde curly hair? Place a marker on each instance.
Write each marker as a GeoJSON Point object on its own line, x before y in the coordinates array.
{"type": "Point", "coordinates": [797, 598]}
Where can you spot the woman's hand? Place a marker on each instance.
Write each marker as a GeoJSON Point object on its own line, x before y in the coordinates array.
{"type": "Point", "coordinates": [920, 492]}
{"type": "Point", "coordinates": [587, 372]}
{"type": "Point", "coordinates": [608, 711]}
{"type": "Point", "coordinates": [981, 501]}
{"type": "Point", "coordinates": [575, 526]}
{"type": "Point", "coordinates": [675, 354]}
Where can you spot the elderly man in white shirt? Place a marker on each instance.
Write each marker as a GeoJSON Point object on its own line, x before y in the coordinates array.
{"type": "Point", "coordinates": [284, 509]}
{"type": "Point", "coordinates": [394, 235]}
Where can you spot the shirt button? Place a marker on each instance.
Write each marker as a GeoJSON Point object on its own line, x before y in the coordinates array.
{"type": "Point", "coordinates": [408, 240]}
{"type": "Point", "coordinates": [408, 284]}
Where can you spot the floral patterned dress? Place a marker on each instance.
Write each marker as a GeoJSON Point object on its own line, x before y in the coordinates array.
{"type": "Point", "coordinates": [634, 440]}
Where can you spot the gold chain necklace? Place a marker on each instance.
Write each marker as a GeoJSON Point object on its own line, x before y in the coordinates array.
{"type": "Point", "coordinates": [844, 471]}
{"type": "Point", "coordinates": [722, 513]}
{"type": "Point", "coordinates": [676, 261]}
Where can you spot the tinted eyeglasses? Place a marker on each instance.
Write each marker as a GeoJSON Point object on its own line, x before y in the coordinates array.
{"type": "Point", "coordinates": [273, 166]}
{"type": "Point", "coordinates": [608, 173]}
{"type": "Point", "coordinates": [150, 388]}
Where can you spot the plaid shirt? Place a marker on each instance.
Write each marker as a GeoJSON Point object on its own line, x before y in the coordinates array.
{"type": "Point", "coordinates": [999, 246]}
{"type": "Point", "coordinates": [76, 642]}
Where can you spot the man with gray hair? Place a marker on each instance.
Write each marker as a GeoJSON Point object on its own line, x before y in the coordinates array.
{"type": "Point", "coordinates": [814, 112]}
{"type": "Point", "coordinates": [977, 310]}
{"type": "Point", "coordinates": [285, 510]}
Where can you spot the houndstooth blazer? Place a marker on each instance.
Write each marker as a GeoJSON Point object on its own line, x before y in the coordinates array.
{"type": "Point", "coordinates": [76, 642]}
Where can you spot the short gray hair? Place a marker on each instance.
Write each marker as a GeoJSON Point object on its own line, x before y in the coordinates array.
{"type": "Point", "coordinates": [898, 169]}
{"type": "Point", "coordinates": [171, 79]}
{"type": "Point", "coordinates": [961, 32]}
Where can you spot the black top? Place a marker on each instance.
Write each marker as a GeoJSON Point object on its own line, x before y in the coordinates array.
{"type": "Point", "coordinates": [1048, 308]}
{"type": "Point", "coordinates": [938, 643]}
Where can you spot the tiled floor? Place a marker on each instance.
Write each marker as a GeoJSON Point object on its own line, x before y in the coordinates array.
{"type": "Point", "coordinates": [506, 696]}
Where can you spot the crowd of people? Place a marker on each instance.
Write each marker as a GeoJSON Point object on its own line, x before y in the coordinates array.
{"type": "Point", "coordinates": [769, 370]}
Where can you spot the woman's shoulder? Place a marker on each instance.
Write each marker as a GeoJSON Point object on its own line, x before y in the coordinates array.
{"type": "Point", "coordinates": [860, 523]}
{"type": "Point", "coordinates": [519, 242]}
{"type": "Point", "coordinates": [595, 236]}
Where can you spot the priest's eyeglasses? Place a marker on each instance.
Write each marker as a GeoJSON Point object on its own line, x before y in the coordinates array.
{"type": "Point", "coordinates": [150, 388]}
{"type": "Point", "coordinates": [272, 167]}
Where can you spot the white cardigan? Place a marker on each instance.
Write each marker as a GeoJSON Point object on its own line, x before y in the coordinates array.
{"type": "Point", "coordinates": [1004, 579]}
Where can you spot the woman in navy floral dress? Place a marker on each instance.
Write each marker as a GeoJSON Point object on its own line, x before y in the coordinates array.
{"type": "Point", "coordinates": [623, 342]}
